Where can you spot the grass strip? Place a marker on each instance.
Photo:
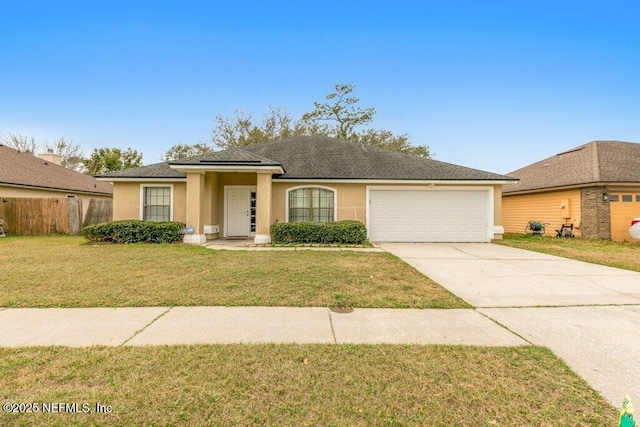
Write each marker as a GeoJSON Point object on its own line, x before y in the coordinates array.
{"type": "Point", "coordinates": [300, 385]}
{"type": "Point", "coordinates": [62, 271]}
{"type": "Point", "coordinates": [624, 255]}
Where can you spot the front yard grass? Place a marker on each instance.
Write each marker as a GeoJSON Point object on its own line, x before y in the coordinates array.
{"type": "Point", "coordinates": [63, 271]}
{"type": "Point", "coordinates": [300, 385]}
{"type": "Point", "coordinates": [597, 251]}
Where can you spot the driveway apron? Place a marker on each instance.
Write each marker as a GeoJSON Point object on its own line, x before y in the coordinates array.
{"type": "Point", "coordinates": [587, 314]}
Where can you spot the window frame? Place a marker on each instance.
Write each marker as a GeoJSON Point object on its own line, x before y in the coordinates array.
{"type": "Point", "coordinates": [142, 194]}
{"type": "Point", "coordinates": [311, 187]}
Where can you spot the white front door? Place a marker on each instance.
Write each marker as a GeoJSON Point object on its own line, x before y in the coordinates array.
{"type": "Point", "coordinates": [238, 212]}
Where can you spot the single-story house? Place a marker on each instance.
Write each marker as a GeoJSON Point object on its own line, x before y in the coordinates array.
{"type": "Point", "coordinates": [241, 192]}
{"type": "Point", "coordinates": [595, 187]}
{"type": "Point", "coordinates": [24, 175]}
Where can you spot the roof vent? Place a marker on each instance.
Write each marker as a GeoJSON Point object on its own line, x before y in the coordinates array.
{"type": "Point", "coordinates": [546, 165]}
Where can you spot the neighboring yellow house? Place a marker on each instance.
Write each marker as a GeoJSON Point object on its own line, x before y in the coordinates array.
{"type": "Point", "coordinates": [240, 193]}
{"type": "Point", "coordinates": [595, 187]}
{"type": "Point", "coordinates": [24, 175]}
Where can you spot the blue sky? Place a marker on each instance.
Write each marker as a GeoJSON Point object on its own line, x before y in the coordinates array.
{"type": "Point", "coordinates": [493, 85]}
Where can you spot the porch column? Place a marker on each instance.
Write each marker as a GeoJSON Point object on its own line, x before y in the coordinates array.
{"type": "Point", "coordinates": [263, 208]}
{"type": "Point", "coordinates": [195, 210]}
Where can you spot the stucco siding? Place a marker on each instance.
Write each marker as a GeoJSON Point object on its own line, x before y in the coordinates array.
{"type": "Point", "coordinates": [351, 199]}
{"type": "Point", "coordinates": [553, 207]}
{"type": "Point", "coordinates": [126, 200]}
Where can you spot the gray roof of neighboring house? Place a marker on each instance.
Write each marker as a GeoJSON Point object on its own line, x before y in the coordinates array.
{"type": "Point", "coordinates": [595, 162]}
{"type": "Point", "coordinates": [317, 157]}
{"type": "Point", "coordinates": [24, 169]}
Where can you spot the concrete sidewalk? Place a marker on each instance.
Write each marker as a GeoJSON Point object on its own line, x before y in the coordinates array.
{"type": "Point", "coordinates": [80, 327]}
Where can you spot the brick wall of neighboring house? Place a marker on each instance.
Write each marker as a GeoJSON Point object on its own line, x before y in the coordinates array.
{"type": "Point", "coordinates": [596, 215]}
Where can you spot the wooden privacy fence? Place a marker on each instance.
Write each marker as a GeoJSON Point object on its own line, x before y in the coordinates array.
{"type": "Point", "coordinates": [100, 210]}
{"type": "Point", "coordinates": [41, 216]}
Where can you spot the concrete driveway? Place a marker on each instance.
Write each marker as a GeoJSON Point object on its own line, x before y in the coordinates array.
{"type": "Point", "coordinates": [589, 315]}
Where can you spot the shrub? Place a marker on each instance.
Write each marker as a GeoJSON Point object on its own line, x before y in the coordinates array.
{"type": "Point", "coordinates": [134, 231]}
{"type": "Point", "coordinates": [347, 232]}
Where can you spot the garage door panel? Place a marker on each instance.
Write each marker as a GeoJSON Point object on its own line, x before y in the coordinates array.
{"type": "Point", "coordinates": [428, 216]}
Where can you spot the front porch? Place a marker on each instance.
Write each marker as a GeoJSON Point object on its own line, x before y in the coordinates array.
{"type": "Point", "coordinates": [228, 204]}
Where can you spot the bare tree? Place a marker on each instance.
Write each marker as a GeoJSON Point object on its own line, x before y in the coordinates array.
{"type": "Point", "coordinates": [241, 129]}
{"type": "Point", "coordinates": [342, 110]}
{"type": "Point", "coordinates": [387, 140]}
{"type": "Point", "coordinates": [338, 118]}
{"type": "Point", "coordinates": [21, 143]}
{"type": "Point", "coordinates": [181, 151]}
{"type": "Point", "coordinates": [72, 154]}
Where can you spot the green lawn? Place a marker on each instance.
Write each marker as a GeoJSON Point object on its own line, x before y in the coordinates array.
{"type": "Point", "coordinates": [299, 385]}
{"type": "Point", "coordinates": [614, 254]}
{"type": "Point", "coordinates": [64, 271]}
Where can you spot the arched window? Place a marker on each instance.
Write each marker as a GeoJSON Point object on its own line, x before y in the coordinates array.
{"type": "Point", "coordinates": [311, 204]}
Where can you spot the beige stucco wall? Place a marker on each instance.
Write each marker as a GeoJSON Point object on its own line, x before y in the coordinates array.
{"type": "Point", "coordinates": [518, 210]}
{"type": "Point", "coordinates": [351, 198]}
{"type": "Point", "coordinates": [126, 200]}
{"type": "Point", "coordinates": [7, 191]}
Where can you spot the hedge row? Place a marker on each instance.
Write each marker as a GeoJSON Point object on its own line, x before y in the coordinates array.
{"type": "Point", "coordinates": [134, 231]}
{"type": "Point", "coordinates": [347, 232]}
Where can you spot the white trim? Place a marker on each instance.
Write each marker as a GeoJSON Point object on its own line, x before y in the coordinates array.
{"type": "Point", "coordinates": [229, 168]}
{"type": "Point", "coordinates": [490, 200]}
{"type": "Point", "coordinates": [142, 186]}
{"type": "Point", "coordinates": [226, 204]}
{"type": "Point", "coordinates": [395, 181]}
{"type": "Point", "coordinates": [286, 199]}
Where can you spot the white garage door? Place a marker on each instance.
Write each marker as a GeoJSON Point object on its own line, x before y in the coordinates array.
{"type": "Point", "coordinates": [428, 216]}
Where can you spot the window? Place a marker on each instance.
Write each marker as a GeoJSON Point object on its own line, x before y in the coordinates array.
{"type": "Point", "coordinates": [637, 197]}
{"type": "Point", "coordinates": [156, 204]}
{"type": "Point", "coordinates": [253, 211]}
{"type": "Point", "coordinates": [614, 198]}
{"type": "Point", "coordinates": [627, 198]}
{"type": "Point", "coordinates": [311, 204]}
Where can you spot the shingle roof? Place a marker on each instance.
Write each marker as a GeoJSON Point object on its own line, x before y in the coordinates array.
{"type": "Point", "coordinates": [236, 156]}
{"type": "Point", "coordinates": [157, 170]}
{"type": "Point", "coordinates": [316, 157]}
{"type": "Point", "coordinates": [308, 157]}
{"type": "Point", "coordinates": [17, 168]}
{"type": "Point", "coordinates": [595, 162]}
